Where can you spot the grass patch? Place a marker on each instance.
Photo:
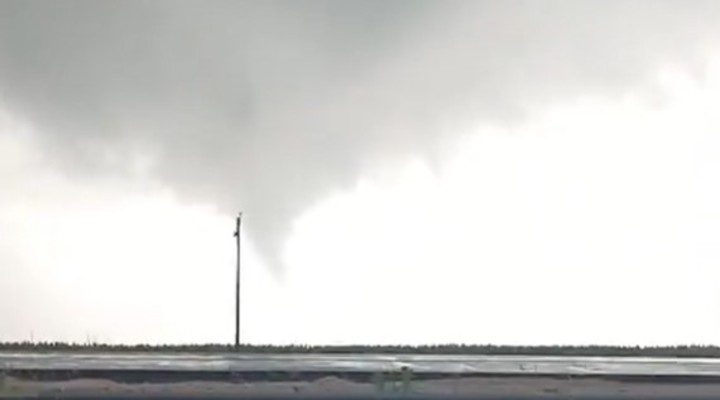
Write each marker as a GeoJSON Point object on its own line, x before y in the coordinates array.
{"type": "Point", "coordinates": [449, 349]}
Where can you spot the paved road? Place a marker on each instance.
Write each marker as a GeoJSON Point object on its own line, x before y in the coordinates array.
{"type": "Point", "coordinates": [450, 364]}
{"type": "Point", "coordinates": [656, 373]}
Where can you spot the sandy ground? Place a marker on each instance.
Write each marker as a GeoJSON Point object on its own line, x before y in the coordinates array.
{"type": "Point", "coordinates": [331, 386]}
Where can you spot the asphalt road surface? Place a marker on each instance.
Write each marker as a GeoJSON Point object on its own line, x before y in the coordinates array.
{"type": "Point", "coordinates": [445, 364]}
{"type": "Point", "coordinates": [346, 377]}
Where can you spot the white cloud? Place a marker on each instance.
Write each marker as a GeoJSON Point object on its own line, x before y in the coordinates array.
{"type": "Point", "coordinates": [593, 222]}
{"type": "Point", "coordinates": [596, 221]}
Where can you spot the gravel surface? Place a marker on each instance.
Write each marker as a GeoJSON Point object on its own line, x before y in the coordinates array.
{"type": "Point", "coordinates": [331, 387]}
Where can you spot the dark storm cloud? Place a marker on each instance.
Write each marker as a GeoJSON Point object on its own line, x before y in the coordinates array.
{"type": "Point", "coordinates": [268, 106]}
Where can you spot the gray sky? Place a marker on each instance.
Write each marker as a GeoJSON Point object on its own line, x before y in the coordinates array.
{"type": "Point", "coordinates": [284, 109]}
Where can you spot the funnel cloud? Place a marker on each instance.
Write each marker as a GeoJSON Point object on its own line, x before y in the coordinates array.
{"type": "Point", "coordinates": [267, 107]}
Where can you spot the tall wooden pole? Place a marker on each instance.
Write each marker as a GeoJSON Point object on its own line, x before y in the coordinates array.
{"type": "Point", "coordinates": [238, 221]}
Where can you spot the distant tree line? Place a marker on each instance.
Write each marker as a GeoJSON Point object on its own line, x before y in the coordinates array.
{"type": "Point", "coordinates": [617, 351]}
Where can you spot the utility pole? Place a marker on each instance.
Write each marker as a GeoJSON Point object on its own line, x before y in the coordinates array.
{"type": "Point", "coordinates": [238, 221]}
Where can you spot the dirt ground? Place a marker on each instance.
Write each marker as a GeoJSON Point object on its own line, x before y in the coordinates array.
{"type": "Point", "coordinates": [331, 386]}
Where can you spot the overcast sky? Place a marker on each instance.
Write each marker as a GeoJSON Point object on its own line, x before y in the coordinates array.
{"type": "Point", "coordinates": [410, 171]}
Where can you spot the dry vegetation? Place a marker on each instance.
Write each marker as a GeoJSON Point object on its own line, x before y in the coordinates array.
{"type": "Point", "coordinates": [674, 351]}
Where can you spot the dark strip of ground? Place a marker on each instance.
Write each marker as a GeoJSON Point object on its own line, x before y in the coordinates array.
{"type": "Point", "coordinates": [169, 376]}
{"type": "Point", "coordinates": [279, 385]}
{"type": "Point", "coordinates": [222, 396]}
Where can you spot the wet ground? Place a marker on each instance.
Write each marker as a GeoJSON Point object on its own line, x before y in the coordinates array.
{"type": "Point", "coordinates": [354, 376]}
{"type": "Point", "coordinates": [445, 364]}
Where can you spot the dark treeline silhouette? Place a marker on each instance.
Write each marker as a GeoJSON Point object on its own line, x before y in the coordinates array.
{"type": "Point", "coordinates": [669, 351]}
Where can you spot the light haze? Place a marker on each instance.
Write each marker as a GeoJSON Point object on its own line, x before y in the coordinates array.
{"type": "Point", "coordinates": [411, 172]}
